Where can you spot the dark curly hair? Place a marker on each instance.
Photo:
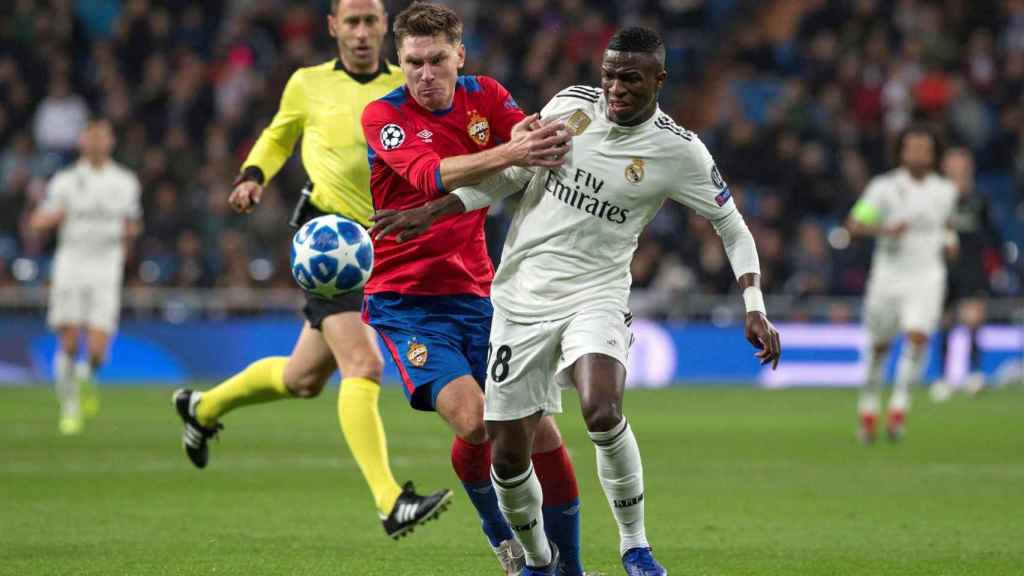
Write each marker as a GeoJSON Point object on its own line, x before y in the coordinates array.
{"type": "Point", "coordinates": [638, 39]}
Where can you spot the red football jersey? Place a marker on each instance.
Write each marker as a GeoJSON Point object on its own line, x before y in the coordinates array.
{"type": "Point", "coordinates": [406, 145]}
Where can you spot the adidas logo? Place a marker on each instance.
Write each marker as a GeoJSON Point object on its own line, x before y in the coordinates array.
{"type": "Point", "coordinates": [523, 527]}
{"type": "Point", "coordinates": [425, 135]}
{"type": "Point", "coordinates": [626, 503]}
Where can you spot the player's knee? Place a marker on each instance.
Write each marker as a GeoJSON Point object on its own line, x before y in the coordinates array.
{"type": "Point", "coordinates": [364, 362]}
{"type": "Point", "coordinates": [547, 437]}
{"type": "Point", "coordinates": [69, 342]}
{"type": "Point", "coordinates": [509, 461]}
{"type": "Point", "coordinates": [97, 357]}
{"type": "Point", "coordinates": [601, 417]}
{"type": "Point", "coordinates": [470, 427]}
{"type": "Point", "coordinates": [308, 385]}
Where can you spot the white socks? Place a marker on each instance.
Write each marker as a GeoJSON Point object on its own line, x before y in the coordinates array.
{"type": "Point", "coordinates": [520, 499]}
{"type": "Point", "coordinates": [622, 477]}
{"type": "Point", "coordinates": [66, 386]}
{"type": "Point", "coordinates": [871, 390]}
{"type": "Point", "coordinates": [83, 371]}
{"type": "Point", "coordinates": [908, 371]}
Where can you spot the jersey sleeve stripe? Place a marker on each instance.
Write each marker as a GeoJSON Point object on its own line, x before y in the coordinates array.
{"type": "Point", "coordinates": [438, 181]}
{"type": "Point", "coordinates": [581, 92]}
{"type": "Point", "coordinates": [591, 100]}
{"type": "Point", "coordinates": [667, 124]}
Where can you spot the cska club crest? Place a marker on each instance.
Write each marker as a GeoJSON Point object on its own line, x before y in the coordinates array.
{"type": "Point", "coordinates": [635, 171]}
{"type": "Point", "coordinates": [417, 354]}
{"type": "Point", "coordinates": [479, 128]}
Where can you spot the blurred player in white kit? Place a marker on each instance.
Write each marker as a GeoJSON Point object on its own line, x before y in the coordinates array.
{"type": "Point", "coordinates": [95, 205]}
{"type": "Point", "coordinates": [908, 211]}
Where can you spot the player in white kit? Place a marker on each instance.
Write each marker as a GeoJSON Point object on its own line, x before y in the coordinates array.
{"type": "Point", "coordinates": [907, 211]}
{"type": "Point", "coordinates": [560, 294]}
{"type": "Point", "coordinates": [95, 205]}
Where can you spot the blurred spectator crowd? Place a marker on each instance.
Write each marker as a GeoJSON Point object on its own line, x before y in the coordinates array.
{"type": "Point", "coordinates": [798, 100]}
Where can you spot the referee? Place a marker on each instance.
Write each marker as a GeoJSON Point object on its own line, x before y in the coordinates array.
{"type": "Point", "coordinates": [323, 105]}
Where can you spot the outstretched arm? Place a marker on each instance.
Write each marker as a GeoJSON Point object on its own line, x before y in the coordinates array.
{"type": "Point", "coordinates": [533, 143]}
{"type": "Point", "coordinates": [408, 224]}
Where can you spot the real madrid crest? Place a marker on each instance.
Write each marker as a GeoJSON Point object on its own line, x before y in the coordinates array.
{"type": "Point", "coordinates": [479, 128]}
{"type": "Point", "coordinates": [577, 122]}
{"type": "Point", "coordinates": [635, 171]}
{"type": "Point", "coordinates": [417, 354]}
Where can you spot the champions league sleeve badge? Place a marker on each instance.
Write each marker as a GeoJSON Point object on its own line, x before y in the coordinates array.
{"type": "Point", "coordinates": [635, 171]}
{"type": "Point", "coordinates": [479, 128]}
{"type": "Point", "coordinates": [391, 136]}
{"type": "Point", "coordinates": [577, 122]}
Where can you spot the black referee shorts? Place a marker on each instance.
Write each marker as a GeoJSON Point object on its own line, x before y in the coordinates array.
{"type": "Point", "coordinates": [316, 309]}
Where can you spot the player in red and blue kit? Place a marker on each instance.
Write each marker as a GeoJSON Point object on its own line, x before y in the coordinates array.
{"type": "Point", "coordinates": [428, 298]}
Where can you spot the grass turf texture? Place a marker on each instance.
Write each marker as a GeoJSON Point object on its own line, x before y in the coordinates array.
{"type": "Point", "coordinates": [739, 481]}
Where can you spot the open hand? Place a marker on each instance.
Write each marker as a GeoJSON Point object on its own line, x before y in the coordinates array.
{"type": "Point", "coordinates": [763, 336]}
{"type": "Point", "coordinates": [245, 196]}
{"type": "Point", "coordinates": [539, 143]}
{"type": "Point", "coordinates": [405, 224]}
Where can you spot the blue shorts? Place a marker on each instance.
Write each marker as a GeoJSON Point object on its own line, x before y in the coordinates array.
{"type": "Point", "coordinates": [432, 339]}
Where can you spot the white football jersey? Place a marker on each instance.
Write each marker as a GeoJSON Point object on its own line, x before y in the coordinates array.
{"type": "Point", "coordinates": [97, 203]}
{"type": "Point", "coordinates": [926, 206]}
{"type": "Point", "coordinates": [573, 234]}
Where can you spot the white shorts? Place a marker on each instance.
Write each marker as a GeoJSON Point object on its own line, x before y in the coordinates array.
{"type": "Point", "coordinates": [528, 364]}
{"type": "Point", "coordinates": [894, 308]}
{"type": "Point", "coordinates": [92, 305]}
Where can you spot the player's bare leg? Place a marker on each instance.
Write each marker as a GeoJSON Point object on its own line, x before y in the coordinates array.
{"type": "Point", "coordinates": [519, 490]}
{"type": "Point", "coordinates": [64, 380]}
{"type": "Point", "coordinates": [908, 370]}
{"type": "Point", "coordinates": [869, 403]}
{"type": "Point", "coordinates": [309, 366]}
{"type": "Point", "coordinates": [601, 382]}
{"type": "Point", "coordinates": [97, 348]}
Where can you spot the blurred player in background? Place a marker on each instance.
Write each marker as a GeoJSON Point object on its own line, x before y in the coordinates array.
{"type": "Point", "coordinates": [968, 285]}
{"type": "Point", "coordinates": [429, 298]}
{"type": "Point", "coordinates": [907, 211]}
{"type": "Point", "coordinates": [95, 205]}
{"type": "Point", "coordinates": [561, 316]}
{"type": "Point", "coordinates": [322, 105]}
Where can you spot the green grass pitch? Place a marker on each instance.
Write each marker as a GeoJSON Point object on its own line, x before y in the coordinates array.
{"type": "Point", "coordinates": [739, 481]}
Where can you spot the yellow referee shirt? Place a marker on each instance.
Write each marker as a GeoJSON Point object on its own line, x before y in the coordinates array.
{"type": "Point", "coordinates": [324, 105]}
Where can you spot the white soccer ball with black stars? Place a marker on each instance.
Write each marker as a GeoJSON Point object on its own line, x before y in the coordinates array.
{"type": "Point", "coordinates": [331, 255]}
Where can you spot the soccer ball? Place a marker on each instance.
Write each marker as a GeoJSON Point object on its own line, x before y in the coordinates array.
{"type": "Point", "coordinates": [331, 255]}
